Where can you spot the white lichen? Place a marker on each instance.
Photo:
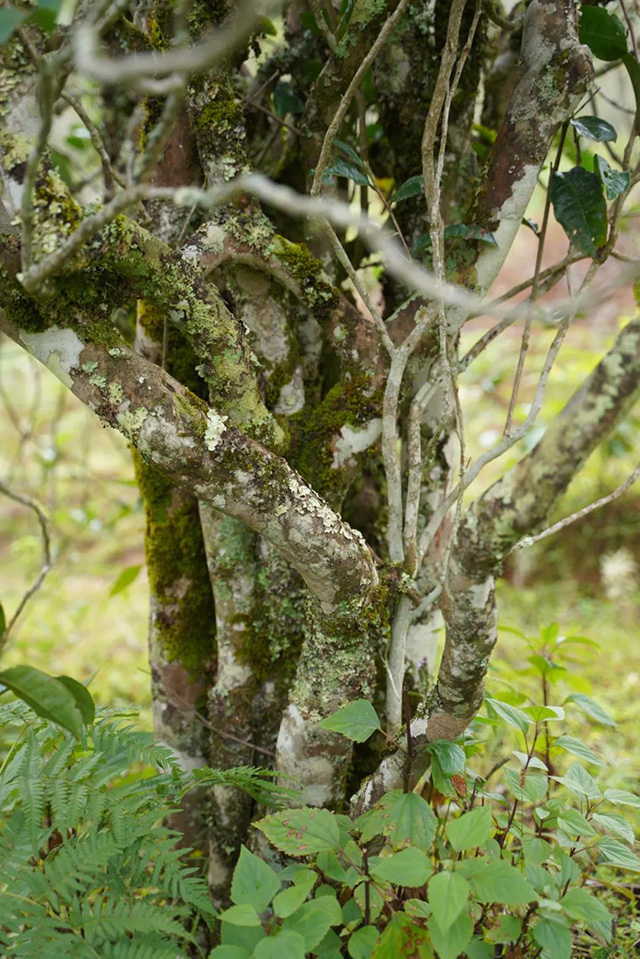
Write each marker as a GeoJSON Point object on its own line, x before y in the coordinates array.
{"type": "Point", "coordinates": [58, 349]}
{"type": "Point", "coordinates": [216, 426]}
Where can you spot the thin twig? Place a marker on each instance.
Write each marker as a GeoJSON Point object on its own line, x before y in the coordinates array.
{"type": "Point", "coordinates": [109, 174]}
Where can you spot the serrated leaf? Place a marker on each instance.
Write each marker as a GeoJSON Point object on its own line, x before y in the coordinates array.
{"type": "Point", "coordinates": [285, 100]}
{"type": "Point", "coordinates": [254, 881]}
{"type": "Point", "coordinates": [575, 824]}
{"type": "Point", "coordinates": [356, 721]}
{"type": "Point", "coordinates": [615, 823]}
{"type": "Point", "coordinates": [451, 757]}
{"type": "Point", "coordinates": [511, 714]}
{"type": "Point", "coordinates": [301, 832]}
{"type": "Point", "coordinates": [448, 895]}
{"type": "Point", "coordinates": [603, 33]}
{"type": "Point", "coordinates": [126, 578]}
{"type": "Point", "coordinates": [544, 714]}
{"type": "Point", "coordinates": [497, 882]}
{"type": "Point", "coordinates": [411, 187]}
{"type": "Point", "coordinates": [451, 943]}
{"type": "Point", "coordinates": [580, 782]}
{"type": "Point", "coordinates": [362, 941]}
{"type": "Point", "coordinates": [405, 819]}
{"type": "Point", "coordinates": [577, 748]}
{"type": "Point", "coordinates": [313, 920]}
{"type": "Point", "coordinates": [592, 709]}
{"type": "Point", "coordinates": [581, 905]}
{"type": "Point", "coordinates": [554, 937]}
{"type": "Point", "coordinates": [470, 830]}
{"type": "Point", "coordinates": [593, 128]}
{"type": "Point", "coordinates": [46, 695]}
{"type": "Point", "coordinates": [402, 937]}
{"type": "Point", "coordinates": [533, 789]}
{"type": "Point", "coordinates": [409, 867]}
{"type": "Point", "coordinates": [614, 182]}
{"type": "Point", "coordinates": [620, 797]}
{"type": "Point", "coordinates": [614, 853]}
{"type": "Point", "coordinates": [580, 208]}
{"type": "Point", "coordinates": [241, 915]}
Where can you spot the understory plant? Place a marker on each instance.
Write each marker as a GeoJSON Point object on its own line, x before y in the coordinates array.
{"type": "Point", "coordinates": [522, 861]}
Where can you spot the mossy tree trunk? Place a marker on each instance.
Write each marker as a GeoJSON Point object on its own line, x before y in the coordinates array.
{"type": "Point", "coordinates": [294, 417]}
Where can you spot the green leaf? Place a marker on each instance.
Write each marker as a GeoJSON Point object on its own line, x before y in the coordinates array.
{"type": "Point", "coordinates": [464, 231]}
{"type": "Point", "coordinates": [356, 721]}
{"type": "Point", "coordinates": [362, 941]}
{"type": "Point", "coordinates": [3, 618]}
{"type": "Point", "coordinates": [477, 949]}
{"type": "Point", "coordinates": [451, 943]}
{"type": "Point", "coordinates": [580, 208]}
{"type": "Point", "coordinates": [411, 187]}
{"type": "Point", "coordinates": [592, 709]}
{"type": "Point", "coordinates": [497, 882]}
{"type": "Point", "coordinates": [406, 819]}
{"type": "Point", "coordinates": [544, 714]}
{"type": "Point", "coordinates": [230, 952]}
{"type": "Point", "coordinates": [603, 33]}
{"type": "Point", "coordinates": [472, 829]}
{"type": "Point", "coordinates": [553, 936]}
{"type": "Point", "coordinates": [578, 748]}
{"type": "Point", "coordinates": [511, 715]}
{"type": "Point", "coordinates": [614, 182]}
{"type": "Point", "coordinates": [581, 905]}
{"type": "Point", "coordinates": [578, 781]}
{"type": "Point", "coordinates": [246, 937]}
{"type": "Point", "coordinates": [254, 881]}
{"type": "Point", "coordinates": [9, 20]}
{"type": "Point", "coordinates": [620, 797]}
{"type": "Point", "coordinates": [402, 937]}
{"type": "Point", "coordinates": [507, 930]}
{"type": "Point", "coordinates": [286, 943]}
{"type": "Point", "coordinates": [616, 854]}
{"type": "Point", "coordinates": [83, 698]}
{"type": "Point", "coordinates": [450, 756]}
{"type": "Point", "coordinates": [448, 894]}
{"type": "Point", "coordinates": [285, 100]}
{"type": "Point", "coordinates": [575, 824]}
{"type": "Point", "coordinates": [46, 695]}
{"type": "Point", "coordinates": [301, 832]}
{"type": "Point", "coordinates": [348, 151]}
{"type": "Point", "coordinates": [286, 902]}
{"type": "Point", "coordinates": [533, 789]}
{"type": "Point", "coordinates": [633, 69]}
{"type": "Point", "coordinates": [126, 578]}
{"type": "Point", "coordinates": [314, 919]}
{"type": "Point", "coordinates": [616, 824]}
{"type": "Point", "coordinates": [242, 915]}
{"type": "Point", "coordinates": [593, 128]}
{"type": "Point", "coordinates": [342, 167]}
{"type": "Point", "coordinates": [329, 948]}
{"type": "Point", "coordinates": [409, 867]}
{"type": "Point", "coordinates": [46, 14]}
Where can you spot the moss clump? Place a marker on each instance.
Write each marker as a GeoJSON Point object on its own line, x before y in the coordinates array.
{"type": "Point", "coordinates": [321, 296]}
{"type": "Point", "coordinates": [177, 567]}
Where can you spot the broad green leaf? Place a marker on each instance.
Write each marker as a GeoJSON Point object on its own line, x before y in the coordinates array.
{"type": "Point", "coordinates": [329, 948]}
{"type": "Point", "coordinates": [329, 864]}
{"type": "Point", "coordinates": [286, 943]}
{"type": "Point", "coordinates": [633, 69]}
{"type": "Point", "coordinates": [285, 100]}
{"type": "Point", "coordinates": [614, 182]}
{"type": "Point", "coordinates": [254, 881]}
{"type": "Point", "coordinates": [580, 208]}
{"type": "Point", "coordinates": [83, 698]}
{"type": "Point", "coordinates": [581, 905]}
{"type": "Point", "coordinates": [618, 825]}
{"type": "Point", "coordinates": [544, 714]}
{"type": "Point", "coordinates": [46, 695]}
{"type": "Point", "coordinates": [417, 908]}
{"type": "Point", "coordinates": [478, 949]}
{"type": "Point", "coordinates": [592, 709]}
{"type": "Point", "coordinates": [362, 941]}
{"type": "Point", "coordinates": [554, 937]}
{"type": "Point", "coordinates": [126, 578]}
{"type": "Point", "coordinates": [452, 942]}
{"type": "Point", "coordinates": [511, 715]}
{"type": "Point", "coordinates": [356, 721]}
{"type": "Point", "coordinates": [448, 894]}
{"type": "Point", "coordinates": [46, 14]}
{"type": "Point", "coordinates": [411, 187]}
{"type": "Point", "coordinates": [450, 756]}
{"type": "Point", "coordinates": [535, 850]}
{"type": "Point", "coordinates": [603, 33]}
{"type": "Point", "coordinates": [575, 824]}
{"type": "Point", "coordinates": [463, 231]}
{"type": "Point", "coordinates": [313, 920]}
{"type": "Point", "coordinates": [9, 20]}
{"type": "Point", "coordinates": [3, 618]}
{"type": "Point", "coordinates": [241, 915]}
{"type": "Point", "coordinates": [301, 832]}
{"type": "Point", "coordinates": [616, 854]}
{"type": "Point", "coordinates": [342, 167]}
{"type": "Point", "coordinates": [497, 882]}
{"type": "Point", "coordinates": [533, 789]}
{"type": "Point", "coordinates": [348, 151]}
{"type": "Point", "coordinates": [620, 797]}
{"type": "Point", "coordinates": [531, 762]}
{"type": "Point", "coordinates": [507, 930]}
{"type": "Point", "coordinates": [246, 937]}
{"type": "Point", "coordinates": [406, 820]}
{"type": "Point", "coordinates": [581, 783]}
{"type": "Point", "coordinates": [472, 829]}
{"type": "Point", "coordinates": [593, 128]}
{"type": "Point", "coordinates": [402, 937]}
{"type": "Point", "coordinates": [286, 902]}
{"type": "Point", "coordinates": [230, 952]}
{"type": "Point", "coordinates": [409, 867]}
{"type": "Point", "coordinates": [578, 748]}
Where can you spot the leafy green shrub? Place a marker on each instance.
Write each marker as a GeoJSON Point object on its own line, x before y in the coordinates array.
{"type": "Point", "coordinates": [463, 867]}
{"type": "Point", "coordinates": [87, 867]}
